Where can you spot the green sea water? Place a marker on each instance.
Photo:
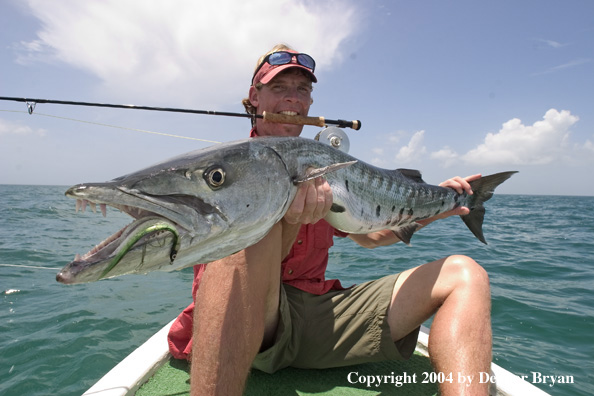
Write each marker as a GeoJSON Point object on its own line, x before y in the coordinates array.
{"type": "Point", "coordinates": [59, 340]}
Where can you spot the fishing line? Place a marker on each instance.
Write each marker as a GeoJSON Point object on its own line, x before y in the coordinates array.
{"type": "Point", "coordinates": [30, 266]}
{"type": "Point", "coordinates": [114, 126]}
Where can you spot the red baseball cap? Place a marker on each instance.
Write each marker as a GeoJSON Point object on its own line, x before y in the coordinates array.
{"type": "Point", "coordinates": [266, 72]}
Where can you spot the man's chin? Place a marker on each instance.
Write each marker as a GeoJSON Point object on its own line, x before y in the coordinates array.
{"type": "Point", "coordinates": [282, 130]}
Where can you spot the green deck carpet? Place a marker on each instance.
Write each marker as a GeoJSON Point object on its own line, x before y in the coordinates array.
{"type": "Point", "coordinates": [173, 380]}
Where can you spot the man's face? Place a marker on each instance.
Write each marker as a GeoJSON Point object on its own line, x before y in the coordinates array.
{"type": "Point", "coordinates": [287, 93]}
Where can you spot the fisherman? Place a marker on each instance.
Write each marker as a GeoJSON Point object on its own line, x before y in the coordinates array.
{"type": "Point", "coordinates": [244, 315]}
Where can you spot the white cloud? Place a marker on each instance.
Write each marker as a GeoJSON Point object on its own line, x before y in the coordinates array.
{"type": "Point", "coordinates": [12, 128]}
{"type": "Point", "coordinates": [377, 151]}
{"type": "Point", "coordinates": [567, 65]}
{"type": "Point", "coordinates": [518, 144]}
{"type": "Point", "coordinates": [544, 142]}
{"type": "Point", "coordinates": [201, 51]}
{"type": "Point", "coordinates": [446, 155]}
{"type": "Point", "coordinates": [397, 136]}
{"type": "Point", "coordinates": [551, 43]}
{"type": "Point", "coordinates": [413, 150]}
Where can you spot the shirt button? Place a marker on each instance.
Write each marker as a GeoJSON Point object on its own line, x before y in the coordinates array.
{"type": "Point", "coordinates": [290, 272]}
{"type": "Point", "coordinates": [299, 242]}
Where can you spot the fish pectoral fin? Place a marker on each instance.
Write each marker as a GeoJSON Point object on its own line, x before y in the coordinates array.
{"type": "Point", "coordinates": [314, 173]}
{"type": "Point", "coordinates": [406, 232]}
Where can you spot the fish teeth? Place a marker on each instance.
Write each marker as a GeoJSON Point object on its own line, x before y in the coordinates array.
{"type": "Point", "coordinates": [100, 246]}
{"type": "Point", "coordinates": [81, 205]}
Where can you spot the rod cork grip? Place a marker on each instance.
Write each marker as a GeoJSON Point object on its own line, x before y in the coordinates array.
{"type": "Point", "coordinates": [356, 125]}
{"type": "Point", "coordinates": [296, 119]}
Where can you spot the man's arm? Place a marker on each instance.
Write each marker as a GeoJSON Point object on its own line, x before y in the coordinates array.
{"type": "Point", "coordinates": [236, 310]}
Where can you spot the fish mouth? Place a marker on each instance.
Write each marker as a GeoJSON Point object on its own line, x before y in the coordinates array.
{"type": "Point", "coordinates": [145, 231]}
{"type": "Point", "coordinates": [160, 227]}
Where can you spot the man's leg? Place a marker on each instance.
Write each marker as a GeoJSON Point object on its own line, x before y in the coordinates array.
{"type": "Point", "coordinates": [236, 314]}
{"type": "Point", "coordinates": [460, 339]}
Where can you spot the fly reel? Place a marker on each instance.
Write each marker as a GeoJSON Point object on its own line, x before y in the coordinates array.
{"type": "Point", "coordinates": [334, 137]}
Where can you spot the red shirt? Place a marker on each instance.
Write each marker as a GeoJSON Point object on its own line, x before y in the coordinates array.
{"type": "Point", "coordinates": [305, 265]}
{"type": "Point", "coordinates": [303, 268]}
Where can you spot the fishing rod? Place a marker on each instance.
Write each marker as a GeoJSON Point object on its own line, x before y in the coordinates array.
{"type": "Point", "coordinates": [271, 117]}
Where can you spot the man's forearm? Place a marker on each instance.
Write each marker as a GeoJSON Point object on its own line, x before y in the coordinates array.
{"type": "Point", "coordinates": [236, 312]}
{"type": "Point", "coordinates": [289, 235]}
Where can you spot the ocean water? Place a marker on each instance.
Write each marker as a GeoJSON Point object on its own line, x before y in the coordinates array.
{"type": "Point", "coordinates": [59, 340]}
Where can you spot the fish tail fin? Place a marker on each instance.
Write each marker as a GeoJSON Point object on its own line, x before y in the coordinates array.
{"type": "Point", "coordinates": [482, 189]}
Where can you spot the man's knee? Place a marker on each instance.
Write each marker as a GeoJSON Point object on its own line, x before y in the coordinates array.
{"type": "Point", "coordinates": [466, 272]}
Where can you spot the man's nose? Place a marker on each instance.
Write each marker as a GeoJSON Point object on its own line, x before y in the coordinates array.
{"type": "Point", "coordinates": [294, 95]}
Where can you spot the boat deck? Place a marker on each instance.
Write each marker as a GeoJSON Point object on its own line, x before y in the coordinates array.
{"type": "Point", "coordinates": [173, 379]}
{"type": "Point", "coordinates": [151, 371]}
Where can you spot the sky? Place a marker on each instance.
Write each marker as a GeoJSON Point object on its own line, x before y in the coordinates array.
{"type": "Point", "coordinates": [449, 88]}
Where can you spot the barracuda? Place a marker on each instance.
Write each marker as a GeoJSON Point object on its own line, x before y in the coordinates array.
{"type": "Point", "coordinates": [210, 203]}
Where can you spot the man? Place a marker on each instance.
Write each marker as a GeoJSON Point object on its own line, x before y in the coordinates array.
{"type": "Point", "coordinates": [244, 316]}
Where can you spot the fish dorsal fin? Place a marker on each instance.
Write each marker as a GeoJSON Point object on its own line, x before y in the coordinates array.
{"type": "Point", "coordinates": [412, 174]}
{"type": "Point", "coordinates": [317, 172]}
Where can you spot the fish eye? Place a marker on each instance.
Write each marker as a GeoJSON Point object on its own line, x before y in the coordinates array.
{"type": "Point", "coordinates": [215, 177]}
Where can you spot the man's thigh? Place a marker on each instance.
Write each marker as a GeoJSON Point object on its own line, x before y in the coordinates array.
{"type": "Point", "coordinates": [348, 326]}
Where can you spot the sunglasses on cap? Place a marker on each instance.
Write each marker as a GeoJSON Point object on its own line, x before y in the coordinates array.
{"type": "Point", "coordinates": [284, 58]}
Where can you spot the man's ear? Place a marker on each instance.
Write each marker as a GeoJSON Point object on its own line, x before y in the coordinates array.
{"type": "Point", "coordinates": [253, 96]}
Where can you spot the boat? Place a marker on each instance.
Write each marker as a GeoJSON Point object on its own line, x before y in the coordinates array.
{"type": "Point", "coordinates": [150, 370]}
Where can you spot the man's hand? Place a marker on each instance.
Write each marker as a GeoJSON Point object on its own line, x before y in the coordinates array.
{"type": "Point", "coordinates": [311, 204]}
{"type": "Point", "coordinates": [461, 185]}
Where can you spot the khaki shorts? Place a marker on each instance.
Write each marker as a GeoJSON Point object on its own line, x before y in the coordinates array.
{"type": "Point", "coordinates": [339, 328]}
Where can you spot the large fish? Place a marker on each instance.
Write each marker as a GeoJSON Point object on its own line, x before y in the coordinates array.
{"type": "Point", "coordinates": [211, 203]}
